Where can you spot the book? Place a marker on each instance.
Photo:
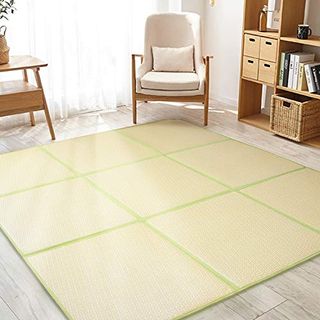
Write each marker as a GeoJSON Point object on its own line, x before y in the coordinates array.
{"type": "Point", "coordinates": [291, 70]}
{"type": "Point", "coordinates": [286, 68]}
{"type": "Point", "coordinates": [316, 76]}
{"type": "Point", "coordinates": [302, 80]}
{"type": "Point", "coordinates": [309, 76]}
{"type": "Point", "coordinates": [300, 57]}
{"type": "Point", "coordinates": [281, 73]}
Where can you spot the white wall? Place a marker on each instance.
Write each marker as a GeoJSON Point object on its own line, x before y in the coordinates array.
{"type": "Point", "coordinates": [169, 5]}
{"type": "Point", "coordinates": [222, 39]}
{"type": "Point", "coordinates": [197, 6]}
{"type": "Point", "coordinates": [312, 18]}
{"type": "Point", "coordinates": [223, 33]}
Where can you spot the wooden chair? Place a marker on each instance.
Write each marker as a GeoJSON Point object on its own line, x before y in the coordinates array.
{"type": "Point", "coordinates": [171, 30]}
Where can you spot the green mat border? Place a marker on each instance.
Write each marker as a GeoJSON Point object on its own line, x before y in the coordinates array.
{"type": "Point", "coordinates": [144, 220]}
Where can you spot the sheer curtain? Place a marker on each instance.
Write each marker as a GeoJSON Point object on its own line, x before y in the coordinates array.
{"type": "Point", "coordinates": [87, 45]}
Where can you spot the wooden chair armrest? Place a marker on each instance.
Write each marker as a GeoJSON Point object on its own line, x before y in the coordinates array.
{"type": "Point", "coordinates": [133, 63]}
{"type": "Point", "coordinates": [136, 55]}
{"type": "Point", "coordinates": [134, 71]}
{"type": "Point", "coordinates": [206, 59]}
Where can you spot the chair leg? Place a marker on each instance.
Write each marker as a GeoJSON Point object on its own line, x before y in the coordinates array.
{"type": "Point", "coordinates": [134, 110]}
{"type": "Point", "coordinates": [206, 112]}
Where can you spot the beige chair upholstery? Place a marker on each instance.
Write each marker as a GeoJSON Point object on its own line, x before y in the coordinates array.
{"type": "Point", "coordinates": [171, 30]}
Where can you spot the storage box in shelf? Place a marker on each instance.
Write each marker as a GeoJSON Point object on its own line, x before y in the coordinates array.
{"type": "Point", "coordinates": [259, 57]}
{"type": "Point", "coordinates": [295, 117]}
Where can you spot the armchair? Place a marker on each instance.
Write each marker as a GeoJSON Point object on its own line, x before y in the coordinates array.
{"type": "Point", "coordinates": [171, 30]}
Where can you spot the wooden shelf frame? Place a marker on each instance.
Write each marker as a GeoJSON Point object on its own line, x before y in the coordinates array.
{"type": "Point", "coordinates": [269, 34]}
{"type": "Point", "coordinates": [258, 82]}
{"type": "Point", "coordinates": [250, 91]}
{"type": "Point", "coordinates": [302, 93]}
{"type": "Point", "coordinates": [313, 41]}
{"type": "Point", "coordinates": [260, 120]}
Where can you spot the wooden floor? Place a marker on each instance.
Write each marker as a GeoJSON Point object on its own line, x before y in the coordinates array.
{"type": "Point", "coordinates": [294, 295]}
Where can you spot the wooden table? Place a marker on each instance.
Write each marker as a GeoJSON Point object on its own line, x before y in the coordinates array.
{"type": "Point", "coordinates": [20, 96]}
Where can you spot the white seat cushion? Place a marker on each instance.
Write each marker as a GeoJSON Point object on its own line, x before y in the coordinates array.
{"type": "Point", "coordinates": [170, 81]}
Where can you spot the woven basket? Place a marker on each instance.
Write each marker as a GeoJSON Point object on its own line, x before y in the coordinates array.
{"type": "Point", "coordinates": [295, 117]}
{"type": "Point", "coordinates": [4, 49]}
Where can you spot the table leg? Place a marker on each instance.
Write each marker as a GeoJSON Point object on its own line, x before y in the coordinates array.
{"type": "Point", "coordinates": [45, 105]}
{"type": "Point", "coordinates": [25, 78]}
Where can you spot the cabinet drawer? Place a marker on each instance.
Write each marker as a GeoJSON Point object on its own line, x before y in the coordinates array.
{"type": "Point", "coordinates": [251, 46]}
{"type": "Point", "coordinates": [267, 71]}
{"type": "Point", "coordinates": [250, 68]}
{"type": "Point", "coordinates": [268, 49]}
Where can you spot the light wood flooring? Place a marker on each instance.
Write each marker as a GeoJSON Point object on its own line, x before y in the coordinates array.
{"type": "Point", "coordinates": [294, 295]}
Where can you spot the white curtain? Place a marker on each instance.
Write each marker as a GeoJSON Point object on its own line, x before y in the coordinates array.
{"type": "Point", "coordinates": [87, 45]}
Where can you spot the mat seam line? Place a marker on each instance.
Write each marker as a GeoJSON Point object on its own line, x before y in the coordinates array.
{"type": "Point", "coordinates": [186, 252]}
{"type": "Point", "coordinates": [239, 191]}
{"type": "Point", "coordinates": [73, 177]}
{"type": "Point", "coordinates": [132, 214]}
{"type": "Point", "coordinates": [279, 212]}
{"type": "Point", "coordinates": [39, 186]}
{"type": "Point", "coordinates": [81, 175]}
{"type": "Point", "coordinates": [189, 204]}
{"type": "Point", "coordinates": [80, 239]}
{"type": "Point", "coordinates": [145, 144]}
{"type": "Point", "coordinates": [114, 199]}
{"type": "Point", "coordinates": [170, 154]}
{"type": "Point", "coordinates": [176, 120]}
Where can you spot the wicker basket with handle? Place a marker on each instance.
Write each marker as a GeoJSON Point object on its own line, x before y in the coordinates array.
{"type": "Point", "coordinates": [295, 117]}
{"type": "Point", "coordinates": [4, 49]}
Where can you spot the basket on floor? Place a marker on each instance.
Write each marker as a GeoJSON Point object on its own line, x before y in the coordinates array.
{"type": "Point", "coordinates": [295, 117]}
